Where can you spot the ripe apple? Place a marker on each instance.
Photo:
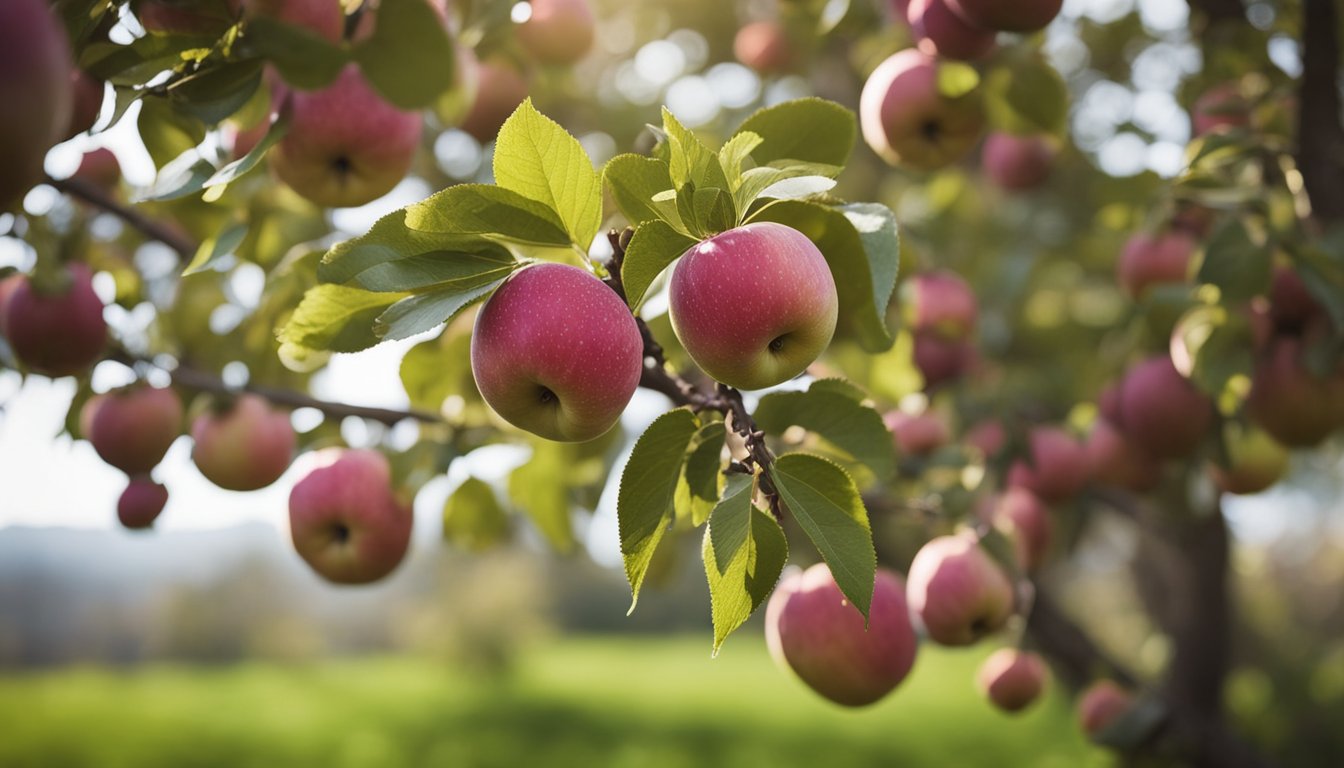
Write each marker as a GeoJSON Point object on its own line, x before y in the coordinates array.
{"type": "Point", "coordinates": [100, 168]}
{"type": "Point", "coordinates": [1012, 679]}
{"type": "Point", "coordinates": [185, 17]}
{"type": "Point", "coordinates": [86, 102]}
{"type": "Point", "coordinates": [558, 32]}
{"type": "Point", "coordinates": [958, 590]}
{"type": "Point", "coordinates": [1058, 466]}
{"type": "Point", "coordinates": [1162, 412]}
{"type": "Point", "coordinates": [244, 446]}
{"type": "Point", "coordinates": [324, 18]}
{"type": "Point", "coordinates": [142, 501]}
{"type": "Point", "coordinates": [1291, 306]}
{"type": "Point", "coordinates": [908, 121]}
{"type": "Point", "coordinates": [1021, 516]}
{"type": "Point", "coordinates": [1015, 162]}
{"type": "Point", "coordinates": [1150, 259]}
{"type": "Point", "coordinates": [916, 434]}
{"type": "Point", "coordinates": [35, 88]}
{"type": "Point", "coordinates": [764, 47]}
{"type": "Point", "coordinates": [941, 303]}
{"type": "Point", "coordinates": [1288, 401]}
{"type": "Point", "coordinates": [132, 428]}
{"type": "Point", "coordinates": [1220, 106]}
{"type": "Point", "coordinates": [811, 628]}
{"type": "Point", "coordinates": [988, 437]}
{"type": "Point", "coordinates": [59, 333]}
{"type": "Point", "coordinates": [1114, 460]}
{"type": "Point", "coordinates": [941, 360]}
{"type": "Point", "coordinates": [557, 353]}
{"type": "Point", "coordinates": [346, 520]}
{"type": "Point", "coordinates": [1256, 461]}
{"type": "Point", "coordinates": [501, 88]}
{"type": "Point", "coordinates": [346, 146]}
{"type": "Point", "coordinates": [941, 32]}
{"type": "Point", "coordinates": [753, 306]}
{"type": "Point", "coordinates": [1008, 15]}
{"type": "Point", "coordinates": [1101, 704]}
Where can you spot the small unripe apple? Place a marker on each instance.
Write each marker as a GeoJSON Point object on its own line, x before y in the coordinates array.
{"type": "Point", "coordinates": [1012, 679]}
{"type": "Point", "coordinates": [908, 121]}
{"type": "Point", "coordinates": [941, 360]}
{"type": "Point", "coordinates": [185, 17]}
{"type": "Point", "coordinates": [1021, 516]}
{"type": "Point", "coordinates": [1114, 460]}
{"type": "Point", "coordinates": [916, 434]}
{"type": "Point", "coordinates": [1154, 259]}
{"type": "Point", "coordinates": [941, 303]}
{"type": "Point", "coordinates": [1256, 461]}
{"type": "Point", "coordinates": [1161, 411]}
{"type": "Point", "coordinates": [1008, 15]}
{"type": "Point", "coordinates": [1287, 400]}
{"type": "Point", "coordinates": [557, 353]}
{"type": "Point", "coordinates": [132, 428]}
{"type": "Point", "coordinates": [1222, 106]}
{"type": "Point", "coordinates": [346, 145]}
{"type": "Point", "coordinates": [1101, 705]}
{"type": "Point", "coordinates": [87, 102]}
{"type": "Point", "coordinates": [958, 591]}
{"type": "Point", "coordinates": [324, 18]}
{"type": "Point", "coordinates": [35, 89]}
{"type": "Point", "coordinates": [764, 46]}
{"type": "Point", "coordinates": [501, 88]}
{"type": "Point", "coordinates": [142, 501]}
{"type": "Point", "coordinates": [755, 305]}
{"type": "Point", "coordinates": [1017, 162]}
{"type": "Point", "coordinates": [941, 32]}
{"type": "Point", "coordinates": [813, 629]}
{"type": "Point", "coordinates": [61, 333]}
{"type": "Point", "coordinates": [100, 168]}
{"type": "Point", "coordinates": [246, 446]}
{"type": "Point", "coordinates": [1058, 466]}
{"type": "Point", "coordinates": [346, 520]}
{"type": "Point", "coordinates": [558, 32]}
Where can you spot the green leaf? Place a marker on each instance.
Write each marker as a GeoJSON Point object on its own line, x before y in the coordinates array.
{"type": "Point", "coordinates": [849, 425]}
{"type": "Point", "coordinates": [1235, 263]}
{"type": "Point", "coordinates": [811, 130]}
{"type": "Point", "coordinates": [213, 94]}
{"type": "Point", "coordinates": [304, 59]}
{"type": "Point", "coordinates": [735, 153]}
{"type": "Point", "coordinates": [216, 248]}
{"type": "Point", "coordinates": [336, 318]}
{"type": "Point", "coordinates": [473, 518]}
{"type": "Point", "coordinates": [409, 58]}
{"type": "Point", "coordinates": [862, 247]}
{"type": "Point", "coordinates": [1028, 96]}
{"type": "Point", "coordinates": [423, 311]}
{"type": "Point", "coordinates": [744, 551]}
{"type": "Point", "coordinates": [757, 181]}
{"type": "Point", "coordinates": [822, 498]}
{"type": "Point", "coordinates": [706, 211]}
{"type": "Point", "coordinates": [634, 181]}
{"type": "Point", "coordinates": [168, 135]}
{"type": "Point", "coordinates": [488, 210]}
{"type": "Point", "coordinates": [655, 245]}
{"type": "Point", "coordinates": [240, 167]}
{"type": "Point", "coordinates": [541, 489]}
{"type": "Point", "coordinates": [536, 158]}
{"type": "Point", "coordinates": [434, 370]}
{"type": "Point", "coordinates": [647, 491]}
{"type": "Point", "coordinates": [690, 161]}
{"type": "Point", "coordinates": [698, 487]}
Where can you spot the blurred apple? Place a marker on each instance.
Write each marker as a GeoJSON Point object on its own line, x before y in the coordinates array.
{"type": "Point", "coordinates": [1161, 411]}
{"type": "Point", "coordinates": [1154, 259]}
{"type": "Point", "coordinates": [1021, 516]}
{"type": "Point", "coordinates": [1294, 405]}
{"type": "Point", "coordinates": [1015, 162]}
{"type": "Point", "coordinates": [132, 428]}
{"type": "Point", "coordinates": [1012, 679]}
{"type": "Point", "coordinates": [941, 32]}
{"type": "Point", "coordinates": [1101, 704]}
{"type": "Point", "coordinates": [36, 89]}
{"type": "Point", "coordinates": [140, 504]}
{"type": "Point", "coordinates": [57, 329]}
{"type": "Point", "coordinates": [939, 302]}
{"type": "Point", "coordinates": [100, 168]}
{"type": "Point", "coordinates": [1256, 461]}
{"type": "Point", "coordinates": [244, 446]}
{"type": "Point", "coordinates": [916, 434]}
{"type": "Point", "coordinates": [558, 32]}
{"type": "Point", "coordinates": [501, 88]}
{"type": "Point", "coordinates": [1057, 468]}
{"type": "Point", "coordinates": [908, 121]}
{"type": "Point", "coordinates": [958, 591]}
{"type": "Point", "coordinates": [763, 46]}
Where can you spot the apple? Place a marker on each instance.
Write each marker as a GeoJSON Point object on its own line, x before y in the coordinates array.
{"type": "Point", "coordinates": [753, 306]}
{"type": "Point", "coordinates": [941, 32]}
{"type": "Point", "coordinates": [1114, 460]}
{"type": "Point", "coordinates": [557, 353]}
{"type": "Point", "coordinates": [1021, 516]}
{"type": "Point", "coordinates": [35, 88]}
{"type": "Point", "coordinates": [941, 360]}
{"type": "Point", "coordinates": [185, 17]}
{"type": "Point", "coordinates": [916, 434]}
{"type": "Point", "coordinates": [1291, 306]}
{"type": "Point", "coordinates": [764, 47]}
{"type": "Point", "coordinates": [1012, 679]}
{"type": "Point", "coordinates": [58, 331]}
{"type": "Point", "coordinates": [1256, 461]}
{"type": "Point", "coordinates": [908, 121]}
{"type": "Point", "coordinates": [346, 520]}
{"type": "Point", "coordinates": [1295, 406]}
{"type": "Point", "coordinates": [900, 10]}
{"type": "Point", "coordinates": [132, 428]}
{"type": "Point", "coordinates": [1222, 106]}
{"type": "Point", "coordinates": [500, 89]}
{"type": "Point", "coordinates": [1008, 15]}
{"type": "Point", "coordinates": [558, 32]}
{"type": "Point", "coordinates": [941, 303]}
{"type": "Point", "coordinates": [1162, 412]}
{"type": "Point", "coordinates": [1057, 469]}
{"type": "Point", "coordinates": [988, 437]}
{"type": "Point", "coordinates": [86, 102]}
{"type": "Point", "coordinates": [325, 18]}
{"type": "Point", "coordinates": [1101, 704]}
{"type": "Point", "coordinates": [1015, 162]}
{"type": "Point", "coordinates": [811, 628]}
{"type": "Point", "coordinates": [99, 167]}
{"type": "Point", "coordinates": [244, 446]}
{"type": "Point", "coordinates": [958, 591]}
{"type": "Point", "coordinates": [142, 501]}
{"type": "Point", "coordinates": [1151, 259]}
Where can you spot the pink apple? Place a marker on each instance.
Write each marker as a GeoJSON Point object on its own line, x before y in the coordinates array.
{"type": "Point", "coordinates": [1101, 705]}
{"type": "Point", "coordinates": [1222, 106]}
{"type": "Point", "coordinates": [1295, 406]}
{"type": "Point", "coordinates": [814, 630]}
{"type": "Point", "coordinates": [1058, 466]}
{"type": "Point", "coordinates": [87, 102]}
{"type": "Point", "coordinates": [132, 428]}
{"type": "Point", "coordinates": [1114, 460]}
{"type": "Point", "coordinates": [558, 32]}
{"type": "Point", "coordinates": [988, 437]}
{"type": "Point", "coordinates": [1024, 518]}
{"type": "Point", "coordinates": [941, 32]}
{"type": "Point", "coordinates": [324, 18]}
{"type": "Point", "coordinates": [1008, 15]}
{"type": "Point", "coordinates": [941, 360]}
{"type": "Point", "coordinates": [755, 305]}
{"type": "Point", "coordinates": [1152, 259]}
{"type": "Point", "coordinates": [908, 121]}
{"type": "Point", "coordinates": [764, 46]}
{"type": "Point", "coordinates": [99, 167]}
{"type": "Point", "coordinates": [916, 434]}
{"type": "Point", "coordinates": [1256, 461]}
{"type": "Point", "coordinates": [244, 446]}
{"type": "Point", "coordinates": [501, 88]}
{"type": "Point", "coordinates": [557, 353]}
{"type": "Point", "coordinates": [346, 146]}
{"type": "Point", "coordinates": [1011, 679]}
{"type": "Point", "coordinates": [1017, 162]}
{"type": "Point", "coordinates": [35, 89]}
{"type": "Point", "coordinates": [1161, 411]}
{"type": "Point", "coordinates": [958, 591]}
{"type": "Point", "coordinates": [940, 302]}
{"type": "Point", "coordinates": [140, 504]}
{"type": "Point", "coordinates": [57, 333]}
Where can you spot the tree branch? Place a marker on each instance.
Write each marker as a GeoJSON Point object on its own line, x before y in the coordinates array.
{"type": "Point", "coordinates": [95, 196]}
{"type": "Point", "coordinates": [1320, 135]}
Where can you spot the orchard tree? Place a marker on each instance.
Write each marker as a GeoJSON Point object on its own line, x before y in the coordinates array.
{"type": "Point", "coordinates": [1079, 344]}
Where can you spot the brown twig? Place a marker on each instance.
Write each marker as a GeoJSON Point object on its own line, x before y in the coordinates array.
{"type": "Point", "coordinates": [94, 195]}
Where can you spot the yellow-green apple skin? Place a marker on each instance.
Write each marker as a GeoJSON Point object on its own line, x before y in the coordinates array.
{"type": "Point", "coordinates": [132, 428]}
{"type": "Point", "coordinates": [140, 504]}
{"type": "Point", "coordinates": [942, 32]}
{"type": "Point", "coordinates": [59, 333]}
{"type": "Point", "coordinates": [1256, 461]}
{"type": "Point", "coordinates": [753, 306]}
{"type": "Point", "coordinates": [1154, 259]}
{"type": "Point", "coordinates": [1058, 465]}
{"type": "Point", "coordinates": [958, 591]}
{"type": "Point", "coordinates": [1101, 704]}
{"type": "Point", "coordinates": [244, 447]}
{"type": "Point", "coordinates": [557, 353]}
{"type": "Point", "coordinates": [559, 32]}
{"type": "Point", "coordinates": [346, 520]}
{"type": "Point", "coordinates": [1017, 163]}
{"type": "Point", "coordinates": [908, 121]}
{"type": "Point", "coordinates": [346, 145]}
{"type": "Point", "coordinates": [1012, 679]}
{"type": "Point", "coordinates": [36, 91]}
{"type": "Point", "coordinates": [1161, 411]}
{"type": "Point", "coordinates": [813, 629]}
{"type": "Point", "coordinates": [1008, 15]}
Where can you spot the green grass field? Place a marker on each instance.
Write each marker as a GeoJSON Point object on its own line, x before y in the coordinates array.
{"type": "Point", "coordinates": [590, 702]}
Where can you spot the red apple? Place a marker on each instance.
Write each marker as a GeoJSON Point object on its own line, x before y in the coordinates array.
{"type": "Point", "coordinates": [1295, 406]}
{"type": "Point", "coordinates": [558, 32]}
{"type": "Point", "coordinates": [35, 89]}
{"type": "Point", "coordinates": [1256, 461]}
{"type": "Point", "coordinates": [941, 360]}
{"type": "Point", "coordinates": [61, 333]}
{"type": "Point", "coordinates": [346, 521]}
{"type": "Point", "coordinates": [1012, 679]}
{"type": "Point", "coordinates": [755, 305]}
{"type": "Point", "coordinates": [500, 90]}
{"type": "Point", "coordinates": [916, 434]}
{"type": "Point", "coordinates": [988, 437]}
{"type": "Point", "coordinates": [1017, 162]}
{"type": "Point", "coordinates": [245, 446]}
{"type": "Point", "coordinates": [1101, 705]}
{"type": "Point", "coordinates": [1114, 460]}
{"type": "Point", "coordinates": [908, 121]}
{"type": "Point", "coordinates": [1162, 412]}
{"type": "Point", "coordinates": [958, 591]}
{"type": "Point", "coordinates": [813, 629]}
{"type": "Point", "coordinates": [764, 46]}
{"type": "Point", "coordinates": [140, 504]}
{"type": "Point", "coordinates": [132, 428]}
{"type": "Point", "coordinates": [100, 168]}
{"type": "Point", "coordinates": [87, 102]}
{"type": "Point", "coordinates": [1024, 518]}
{"type": "Point", "coordinates": [1058, 466]}
{"type": "Point", "coordinates": [324, 18]}
{"type": "Point", "coordinates": [1153, 259]}
{"type": "Point", "coordinates": [557, 353]}
{"type": "Point", "coordinates": [941, 303]}
{"type": "Point", "coordinates": [1291, 306]}
{"type": "Point", "coordinates": [185, 17]}
{"type": "Point", "coordinates": [1008, 15]}
{"type": "Point", "coordinates": [941, 32]}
